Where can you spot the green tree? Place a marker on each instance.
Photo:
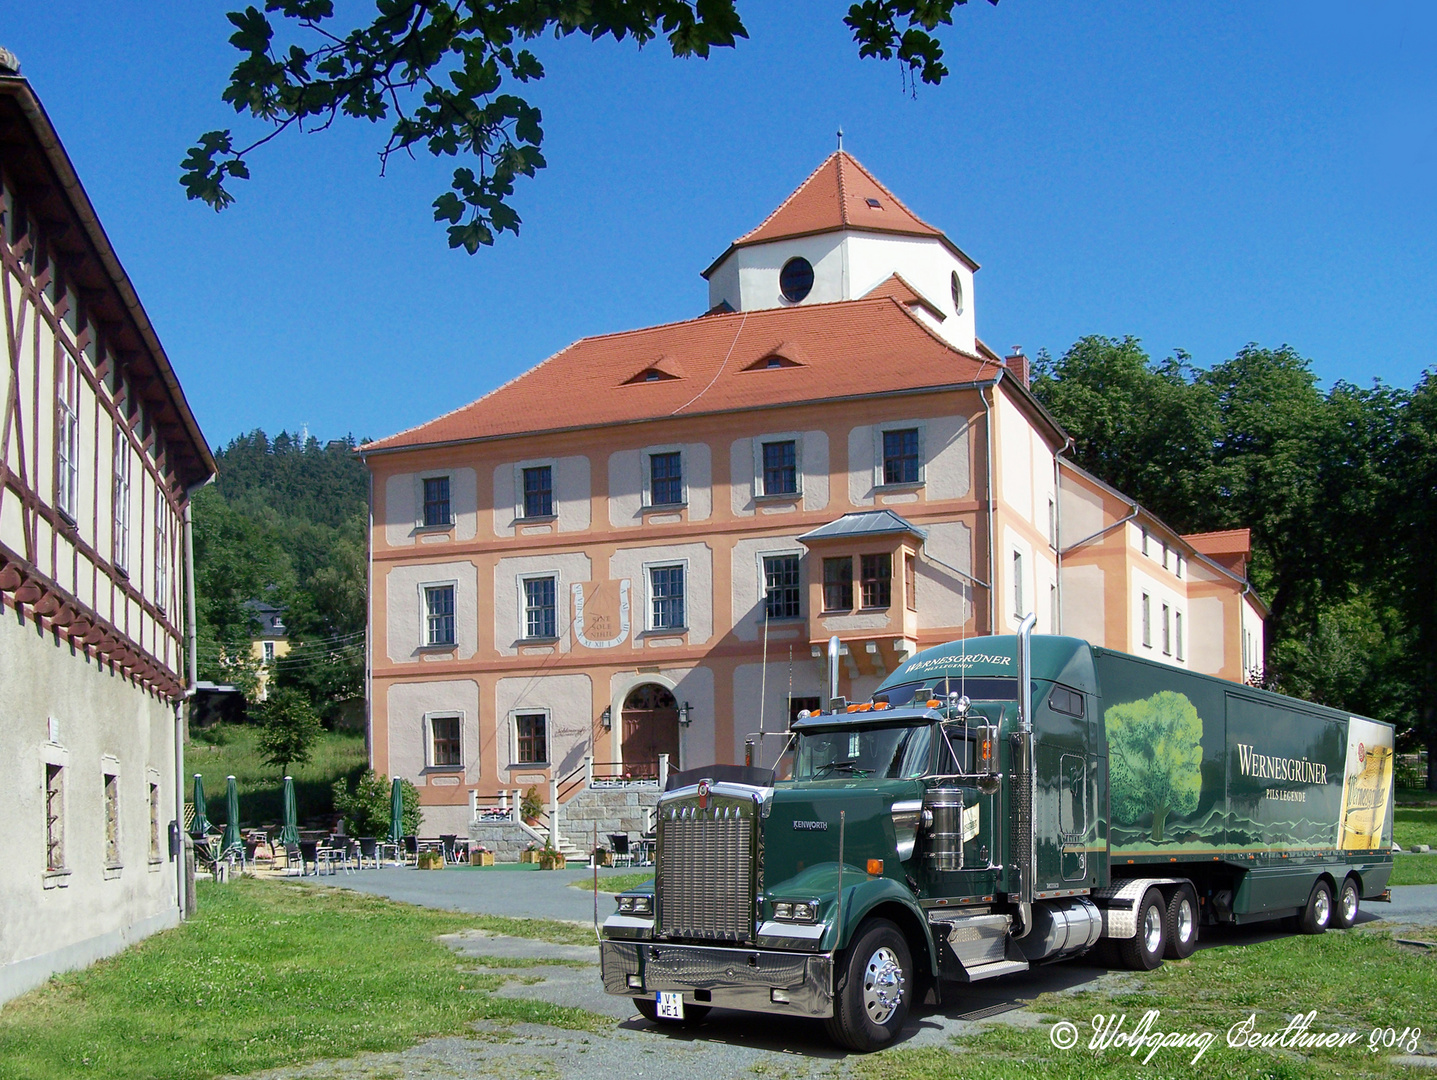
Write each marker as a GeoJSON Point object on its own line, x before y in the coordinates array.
{"type": "Point", "coordinates": [366, 809]}
{"type": "Point", "coordinates": [290, 728]}
{"type": "Point", "coordinates": [441, 74]}
{"type": "Point", "coordinates": [1413, 511]}
{"type": "Point", "coordinates": [1154, 758]}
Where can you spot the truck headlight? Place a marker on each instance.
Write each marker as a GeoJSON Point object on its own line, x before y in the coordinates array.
{"type": "Point", "coordinates": [795, 910]}
{"type": "Point", "coordinates": [636, 905]}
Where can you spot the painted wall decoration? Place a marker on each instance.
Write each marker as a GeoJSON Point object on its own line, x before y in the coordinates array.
{"type": "Point", "coordinates": [1367, 786]}
{"type": "Point", "coordinates": [601, 613]}
{"type": "Point", "coordinates": [1155, 759]}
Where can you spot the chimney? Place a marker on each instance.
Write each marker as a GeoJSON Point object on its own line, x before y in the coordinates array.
{"type": "Point", "coordinates": [1018, 363]}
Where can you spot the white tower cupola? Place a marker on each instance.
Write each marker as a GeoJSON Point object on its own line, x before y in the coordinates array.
{"type": "Point", "coordinates": [843, 236]}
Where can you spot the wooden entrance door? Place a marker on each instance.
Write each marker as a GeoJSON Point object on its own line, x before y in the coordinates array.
{"type": "Point", "coordinates": [651, 728]}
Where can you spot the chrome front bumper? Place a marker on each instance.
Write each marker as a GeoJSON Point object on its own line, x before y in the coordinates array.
{"type": "Point", "coordinates": [729, 978]}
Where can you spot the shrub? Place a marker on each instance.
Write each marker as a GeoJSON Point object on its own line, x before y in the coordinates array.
{"type": "Point", "coordinates": [366, 808]}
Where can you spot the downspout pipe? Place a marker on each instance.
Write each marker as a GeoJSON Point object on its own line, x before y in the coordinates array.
{"type": "Point", "coordinates": [992, 556]}
{"type": "Point", "coordinates": [1058, 528]}
{"type": "Point", "coordinates": [182, 709]}
{"type": "Point", "coordinates": [1025, 777]}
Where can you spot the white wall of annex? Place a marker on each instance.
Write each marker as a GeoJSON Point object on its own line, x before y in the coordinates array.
{"type": "Point", "coordinates": [1160, 592]}
{"type": "Point", "coordinates": [926, 265]}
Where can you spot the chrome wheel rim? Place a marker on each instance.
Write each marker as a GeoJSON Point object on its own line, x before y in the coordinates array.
{"type": "Point", "coordinates": [1322, 907]}
{"type": "Point", "coordinates": [1152, 928]}
{"type": "Point", "coordinates": [882, 985]}
{"type": "Point", "coordinates": [1185, 920]}
{"type": "Point", "coordinates": [1349, 903]}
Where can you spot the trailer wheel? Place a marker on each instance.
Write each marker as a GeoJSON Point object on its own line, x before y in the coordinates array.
{"type": "Point", "coordinates": [1349, 901]}
{"type": "Point", "coordinates": [649, 1010]}
{"type": "Point", "coordinates": [1144, 950]}
{"type": "Point", "coordinates": [874, 985]}
{"type": "Point", "coordinates": [1181, 928]}
{"type": "Point", "coordinates": [1317, 914]}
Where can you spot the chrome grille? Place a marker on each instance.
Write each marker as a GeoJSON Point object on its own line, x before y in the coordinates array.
{"type": "Point", "coordinates": [706, 872]}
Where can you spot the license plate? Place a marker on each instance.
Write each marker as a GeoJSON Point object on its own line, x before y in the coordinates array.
{"type": "Point", "coordinates": [670, 1004]}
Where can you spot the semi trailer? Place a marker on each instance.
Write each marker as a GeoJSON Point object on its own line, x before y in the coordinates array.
{"type": "Point", "coordinates": [1001, 802]}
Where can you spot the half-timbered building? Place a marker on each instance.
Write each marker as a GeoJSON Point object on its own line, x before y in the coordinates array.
{"type": "Point", "coordinates": [98, 454]}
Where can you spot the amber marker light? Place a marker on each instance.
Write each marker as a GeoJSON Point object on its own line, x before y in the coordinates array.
{"type": "Point", "coordinates": [875, 867]}
{"type": "Point", "coordinates": [934, 703]}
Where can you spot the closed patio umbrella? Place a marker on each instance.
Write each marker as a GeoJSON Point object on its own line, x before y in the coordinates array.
{"type": "Point", "coordinates": [231, 840]}
{"type": "Point", "coordinates": [396, 813]}
{"type": "Point", "coordinates": [202, 822]}
{"type": "Point", "coordinates": [289, 834]}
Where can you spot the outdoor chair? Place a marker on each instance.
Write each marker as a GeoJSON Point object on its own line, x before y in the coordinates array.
{"type": "Point", "coordinates": [293, 859]}
{"type": "Point", "coordinates": [619, 841]}
{"type": "Point", "coordinates": [448, 844]}
{"type": "Point", "coordinates": [411, 849]}
{"type": "Point", "coordinates": [369, 849]}
{"type": "Point", "coordinates": [308, 853]}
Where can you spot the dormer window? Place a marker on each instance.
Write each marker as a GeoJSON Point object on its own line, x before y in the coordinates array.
{"type": "Point", "coordinates": [874, 203]}
{"type": "Point", "coordinates": [651, 376]}
{"type": "Point", "coordinates": [774, 362]}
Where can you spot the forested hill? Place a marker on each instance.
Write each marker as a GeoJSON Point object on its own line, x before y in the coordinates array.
{"type": "Point", "coordinates": [1339, 488]}
{"type": "Point", "coordinates": [285, 524]}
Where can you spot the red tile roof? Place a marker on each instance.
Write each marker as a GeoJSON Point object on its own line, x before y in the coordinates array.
{"type": "Point", "coordinates": [853, 348]}
{"type": "Point", "coordinates": [840, 194]}
{"type": "Point", "coordinates": [896, 287]}
{"type": "Point", "coordinates": [1226, 542]}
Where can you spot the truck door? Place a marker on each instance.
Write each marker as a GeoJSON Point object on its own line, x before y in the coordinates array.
{"type": "Point", "coordinates": [1073, 816]}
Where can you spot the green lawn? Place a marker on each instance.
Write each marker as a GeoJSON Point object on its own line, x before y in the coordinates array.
{"type": "Point", "coordinates": [1413, 870]}
{"type": "Point", "coordinates": [230, 749]}
{"type": "Point", "coordinates": [1413, 825]}
{"type": "Point", "coordinates": [617, 883]}
{"type": "Point", "coordinates": [269, 973]}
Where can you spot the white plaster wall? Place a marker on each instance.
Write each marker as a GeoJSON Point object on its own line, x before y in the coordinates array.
{"type": "Point", "coordinates": [570, 567]}
{"type": "Point", "coordinates": [103, 723]}
{"type": "Point", "coordinates": [698, 587]}
{"type": "Point", "coordinates": [747, 582]}
{"type": "Point", "coordinates": [1252, 622]}
{"type": "Point", "coordinates": [1081, 513]}
{"type": "Point", "coordinates": [569, 701]}
{"type": "Point", "coordinates": [950, 467]}
{"type": "Point", "coordinates": [409, 703]}
{"type": "Point", "coordinates": [861, 475]}
{"type": "Point", "coordinates": [1039, 573]}
{"type": "Point", "coordinates": [945, 598]}
{"type": "Point", "coordinates": [694, 685]}
{"type": "Point", "coordinates": [506, 507]}
{"type": "Point", "coordinates": [571, 494]}
{"type": "Point", "coordinates": [758, 267]}
{"type": "Point", "coordinates": [751, 697]}
{"type": "Point", "coordinates": [1085, 603]}
{"type": "Point", "coordinates": [1160, 592]}
{"type": "Point", "coordinates": [698, 460]}
{"type": "Point", "coordinates": [814, 455]}
{"type": "Point", "coordinates": [926, 265]}
{"type": "Point", "coordinates": [1016, 453]}
{"type": "Point", "coordinates": [741, 482]}
{"type": "Point", "coordinates": [403, 504]}
{"type": "Point", "coordinates": [627, 483]}
{"type": "Point", "coordinates": [404, 632]}
{"type": "Point", "coordinates": [1206, 644]}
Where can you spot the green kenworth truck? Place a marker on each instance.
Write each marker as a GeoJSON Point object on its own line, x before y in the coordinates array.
{"type": "Point", "coordinates": [1001, 802]}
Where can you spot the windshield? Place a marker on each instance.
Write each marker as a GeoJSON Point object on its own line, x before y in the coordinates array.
{"type": "Point", "coordinates": [888, 753]}
{"type": "Point", "coordinates": [941, 685]}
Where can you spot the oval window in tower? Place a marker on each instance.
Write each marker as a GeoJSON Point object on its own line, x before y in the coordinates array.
{"type": "Point", "coordinates": [957, 285]}
{"type": "Point", "coordinates": [795, 280]}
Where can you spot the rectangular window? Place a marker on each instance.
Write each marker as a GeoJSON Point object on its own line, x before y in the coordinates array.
{"type": "Point", "coordinates": [910, 581]}
{"type": "Point", "coordinates": [67, 437]}
{"type": "Point", "coordinates": [1018, 584]}
{"type": "Point", "coordinates": [781, 584]}
{"type": "Point", "coordinates": [439, 614]}
{"type": "Point", "coordinates": [268, 653]}
{"type": "Point", "coordinates": [155, 853]}
{"type": "Point", "coordinates": [54, 817]}
{"type": "Point", "coordinates": [780, 468]}
{"type": "Point", "coordinates": [162, 553]}
{"type": "Point", "coordinates": [539, 491]}
{"type": "Point", "coordinates": [900, 456]}
{"type": "Point", "coordinates": [1147, 621]}
{"type": "Point", "coordinates": [112, 820]}
{"type": "Point", "coordinates": [1053, 609]}
{"type": "Point", "coordinates": [436, 502]}
{"type": "Point", "coordinates": [877, 580]}
{"type": "Point", "coordinates": [121, 500]}
{"type": "Point", "coordinates": [1178, 634]}
{"type": "Point", "coordinates": [1052, 523]}
{"type": "Point", "coordinates": [1167, 632]}
{"type": "Point", "coordinates": [539, 620]}
{"type": "Point", "coordinates": [531, 730]}
{"type": "Point", "coordinates": [838, 584]}
{"type": "Point", "coordinates": [1145, 539]}
{"type": "Point", "coordinates": [666, 595]}
{"type": "Point", "coordinates": [444, 731]}
{"type": "Point", "coordinates": [1180, 565]}
{"type": "Point", "coordinates": [666, 479]}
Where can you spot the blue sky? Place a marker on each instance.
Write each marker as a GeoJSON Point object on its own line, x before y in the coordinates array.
{"type": "Point", "coordinates": [1200, 175]}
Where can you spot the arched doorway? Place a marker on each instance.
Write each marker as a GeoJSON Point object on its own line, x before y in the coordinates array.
{"type": "Point", "coordinates": [650, 728]}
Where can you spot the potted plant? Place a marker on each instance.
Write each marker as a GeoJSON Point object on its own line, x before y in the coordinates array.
{"type": "Point", "coordinates": [551, 859]}
{"type": "Point", "coordinates": [530, 854]}
{"type": "Point", "coordinates": [430, 860]}
{"type": "Point", "coordinates": [479, 855]}
{"type": "Point", "coordinates": [531, 806]}
{"type": "Point", "coordinates": [603, 857]}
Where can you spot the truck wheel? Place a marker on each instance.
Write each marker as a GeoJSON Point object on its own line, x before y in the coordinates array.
{"type": "Point", "coordinates": [1318, 913]}
{"type": "Point", "coordinates": [649, 1010]}
{"type": "Point", "coordinates": [870, 1001]}
{"type": "Point", "coordinates": [1144, 950]}
{"type": "Point", "coordinates": [1349, 900]}
{"type": "Point", "coordinates": [1181, 928]}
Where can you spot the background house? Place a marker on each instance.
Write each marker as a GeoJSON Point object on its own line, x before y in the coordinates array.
{"type": "Point", "coordinates": [642, 545]}
{"type": "Point", "coordinates": [98, 454]}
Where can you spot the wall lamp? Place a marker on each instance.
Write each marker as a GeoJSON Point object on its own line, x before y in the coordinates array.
{"type": "Point", "coordinates": [607, 718]}
{"type": "Point", "coordinates": [684, 714]}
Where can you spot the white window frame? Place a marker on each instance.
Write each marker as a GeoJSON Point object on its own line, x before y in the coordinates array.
{"type": "Point", "coordinates": [760, 488]}
{"type": "Point", "coordinates": [1018, 611]}
{"type": "Point", "coordinates": [1146, 617]}
{"type": "Point", "coordinates": [514, 715]}
{"type": "Point", "coordinates": [155, 799]}
{"type": "Point", "coordinates": [120, 500]}
{"type": "Point", "coordinates": [162, 552]}
{"type": "Point", "coordinates": [879, 430]}
{"type": "Point", "coordinates": [647, 469]}
{"type": "Point", "coordinates": [432, 474]}
{"type": "Point", "coordinates": [1144, 529]}
{"type": "Point", "coordinates": [67, 437]}
{"type": "Point", "coordinates": [520, 583]}
{"type": "Point", "coordinates": [429, 718]}
{"type": "Point", "coordinates": [110, 769]}
{"type": "Point", "coordinates": [663, 564]}
{"type": "Point", "coordinates": [554, 492]}
{"type": "Point", "coordinates": [424, 586]}
{"type": "Point", "coordinates": [1167, 630]}
{"type": "Point", "coordinates": [1178, 635]}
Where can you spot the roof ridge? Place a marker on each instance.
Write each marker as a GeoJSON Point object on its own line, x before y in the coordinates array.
{"type": "Point", "coordinates": [842, 195]}
{"type": "Point", "coordinates": [791, 196]}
